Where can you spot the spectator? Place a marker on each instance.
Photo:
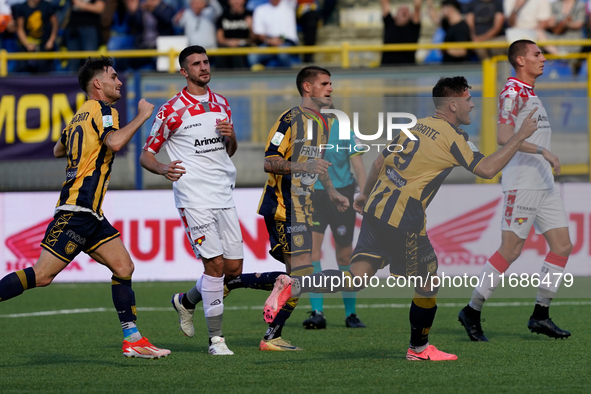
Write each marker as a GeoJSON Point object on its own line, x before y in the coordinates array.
{"type": "Point", "coordinates": [526, 19]}
{"type": "Point", "coordinates": [328, 10]}
{"type": "Point", "coordinates": [199, 22]}
{"type": "Point", "coordinates": [234, 30]}
{"type": "Point", "coordinates": [401, 28]}
{"type": "Point", "coordinates": [36, 29]}
{"type": "Point", "coordinates": [486, 21]}
{"type": "Point", "coordinates": [7, 23]}
{"type": "Point", "coordinates": [274, 25]}
{"type": "Point", "coordinates": [148, 20]}
{"type": "Point", "coordinates": [307, 17]}
{"type": "Point", "coordinates": [457, 31]}
{"type": "Point", "coordinates": [83, 28]}
{"type": "Point", "coordinates": [566, 23]}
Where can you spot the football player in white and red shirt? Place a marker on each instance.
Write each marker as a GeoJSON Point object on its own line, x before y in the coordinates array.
{"type": "Point", "coordinates": [531, 198]}
{"type": "Point", "coordinates": [196, 127]}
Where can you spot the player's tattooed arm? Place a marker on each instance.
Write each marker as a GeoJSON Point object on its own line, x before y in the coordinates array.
{"type": "Point", "coordinates": [278, 165]}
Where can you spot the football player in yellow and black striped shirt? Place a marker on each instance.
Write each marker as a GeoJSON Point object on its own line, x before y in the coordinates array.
{"type": "Point", "coordinates": [90, 142]}
{"type": "Point", "coordinates": [401, 183]}
{"type": "Point", "coordinates": [293, 160]}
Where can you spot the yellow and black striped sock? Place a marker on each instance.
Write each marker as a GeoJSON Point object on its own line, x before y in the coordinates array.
{"type": "Point", "coordinates": [15, 283]}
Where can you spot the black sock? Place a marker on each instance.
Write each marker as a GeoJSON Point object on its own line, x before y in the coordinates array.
{"type": "Point", "coordinates": [541, 312]}
{"type": "Point", "coordinates": [186, 303]}
{"type": "Point", "coordinates": [421, 320]}
{"type": "Point", "coordinates": [472, 313]}
{"type": "Point", "coordinates": [261, 281]}
{"type": "Point", "coordinates": [274, 331]}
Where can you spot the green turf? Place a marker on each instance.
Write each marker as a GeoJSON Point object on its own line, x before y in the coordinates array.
{"type": "Point", "coordinates": [81, 352]}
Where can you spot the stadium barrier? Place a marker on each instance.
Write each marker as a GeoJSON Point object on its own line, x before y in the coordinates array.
{"type": "Point", "coordinates": [490, 77]}
{"type": "Point", "coordinates": [463, 226]}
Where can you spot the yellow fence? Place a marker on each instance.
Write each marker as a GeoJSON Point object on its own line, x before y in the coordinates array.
{"type": "Point", "coordinates": [488, 142]}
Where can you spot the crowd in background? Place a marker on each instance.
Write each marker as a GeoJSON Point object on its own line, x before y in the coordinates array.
{"type": "Point", "coordinates": [87, 25]}
{"type": "Point", "coordinates": [485, 20]}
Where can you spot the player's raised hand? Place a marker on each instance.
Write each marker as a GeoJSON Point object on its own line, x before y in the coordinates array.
{"type": "Point", "coordinates": [145, 108]}
{"type": "Point", "coordinates": [173, 171]}
{"type": "Point", "coordinates": [529, 125]}
{"type": "Point", "coordinates": [318, 166]}
{"type": "Point", "coordinates": [553, 160]}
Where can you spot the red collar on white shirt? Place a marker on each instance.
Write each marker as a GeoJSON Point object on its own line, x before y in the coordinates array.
{"type": "Point", "coordinates": [521, 82]}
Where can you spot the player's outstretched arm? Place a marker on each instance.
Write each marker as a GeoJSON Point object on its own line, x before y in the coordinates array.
{"type": "Point", "coordinates": [278, 165]}
{"type": "Point", "coordinates": [491, 165]}
{"type": "Point", "coordinates": [172, 171]}
{"type": "Point", "coordinates": [119, 138]}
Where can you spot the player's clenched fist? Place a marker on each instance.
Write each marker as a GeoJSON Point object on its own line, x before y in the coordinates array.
{"type": "Point", "coordinates": [145, 108]}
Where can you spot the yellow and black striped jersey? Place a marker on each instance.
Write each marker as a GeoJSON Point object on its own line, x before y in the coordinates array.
{"type": "Point", "coordinates": [89, 159]}
{"type": "Point", "coordinates": [410, 178]}
{"type": "Point", "coordinates": [287, 197]}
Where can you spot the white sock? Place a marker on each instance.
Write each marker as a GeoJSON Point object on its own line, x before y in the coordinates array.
{"type": "Point", "coordinates": [212, 291]}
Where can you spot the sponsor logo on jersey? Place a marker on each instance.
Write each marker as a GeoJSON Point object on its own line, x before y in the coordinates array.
{"type": "Point", "coordinates": [191, 126]}
{"type": "Point", "coordinates": [306, 178]}
{"type": "Point", "coordinates": [311, 151]}
{"type": "Point", "coordinates": [209, 141]}
{"type": "Point", "coordinates": [71, 173]}
{"type": "Point", "coordinates": [300, 228]}
{"type": "Point", "coordinates": [342, 230]}
{"type": "Point", "coordinates": [76, 237]}
{"type": "Point", "coordinates": [395, 177]}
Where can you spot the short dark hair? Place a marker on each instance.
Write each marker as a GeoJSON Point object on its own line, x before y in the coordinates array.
{"type": "Point", "coordinates": [308, 74]}
{"type": "Point", "coordinates": [516, 49]}
{"type": "Point", "coordinates": [449, 87]}
{"type": "Point", "coordinates": [452, 3]}
{"type": "Point", "coordinates": [91, 68]}
{"type": "Point", "coordinates": [188, 51]}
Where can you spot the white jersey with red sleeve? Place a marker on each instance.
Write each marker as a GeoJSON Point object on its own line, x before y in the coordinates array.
{"type": "Point", "coordinates": [525, 170]}
{"type": "Point", "coordinates": [187, 128]}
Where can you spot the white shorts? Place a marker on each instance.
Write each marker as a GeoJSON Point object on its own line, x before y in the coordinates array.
{"type": "Point", "coordinates": [542, 208]}
{"type": "Point", "coordinates": [213, 232]}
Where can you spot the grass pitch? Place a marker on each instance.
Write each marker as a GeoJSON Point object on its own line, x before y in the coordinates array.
{"type": "Point", "coordinates": [67, 338]}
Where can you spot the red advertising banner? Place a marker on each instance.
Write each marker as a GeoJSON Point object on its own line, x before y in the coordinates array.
{"type": "Point", "coordinates": [35, 109]}
{"type": "Point", "coordinates": [463, 225]}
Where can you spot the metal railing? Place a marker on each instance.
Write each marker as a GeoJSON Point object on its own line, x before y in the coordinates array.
{"type": "Point", "coordinates": [345, 49]}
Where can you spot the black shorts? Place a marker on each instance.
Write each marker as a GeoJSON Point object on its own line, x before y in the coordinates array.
{"type": "Point", "coordinates": [342, 224]}
{"type": "Point", "coordinates": [70, 233]}
{"type": "Point", "coordinates": [407, 253]}
{"type": "Point", "coordinates": [288, 239]}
